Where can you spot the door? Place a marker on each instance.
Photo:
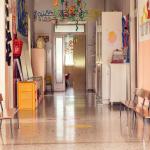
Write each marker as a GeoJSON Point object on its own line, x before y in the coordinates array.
{"type": "Point", "coordinates": [58, 69]}
{"type": "Point", "coordinates": [98, 68]}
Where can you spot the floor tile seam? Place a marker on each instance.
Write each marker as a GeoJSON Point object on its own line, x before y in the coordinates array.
{"type": "Point", "coordinates": [74, 143]}
{"type": "Point", "coordinates": [71, 97]}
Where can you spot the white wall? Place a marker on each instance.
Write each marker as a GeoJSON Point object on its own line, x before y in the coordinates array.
{"type": "Point", "coordinates": [46, 28]}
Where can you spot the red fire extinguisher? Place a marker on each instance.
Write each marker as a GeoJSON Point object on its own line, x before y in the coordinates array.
{"type": "Point", "coordinates": [17, 47]}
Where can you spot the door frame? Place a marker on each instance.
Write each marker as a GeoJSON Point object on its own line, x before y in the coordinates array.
{"type": "Point", "coordinates": [63, 34]}
{"type": "Point", "coordinates": [58, 87]}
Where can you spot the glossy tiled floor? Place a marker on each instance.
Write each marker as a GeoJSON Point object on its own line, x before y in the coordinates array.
{"type": "Point", "coordinates": [66, 122]}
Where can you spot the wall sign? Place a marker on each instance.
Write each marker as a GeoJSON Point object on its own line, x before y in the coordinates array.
{"type": "Point", "coordinates": [50, 15]}
{"type": "Point", "coordinates": [44, 15]}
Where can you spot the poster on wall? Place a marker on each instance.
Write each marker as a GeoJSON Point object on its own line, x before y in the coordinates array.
{"type": "Point", "coordinates": [112, 37]}
{"type": "Point", "coordinates": [22, 18]}
{"type": "Point", "coordinates": [144, 19]}
{"type": "Point", "coordinates": [111, 34]}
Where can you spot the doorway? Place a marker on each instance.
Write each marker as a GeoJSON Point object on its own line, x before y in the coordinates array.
{"type": "Point", "coordinates": [75, 63]}
{"type": "Point", "coordinates": [69, 62]}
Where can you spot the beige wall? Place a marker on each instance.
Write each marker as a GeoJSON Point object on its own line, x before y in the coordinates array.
{"type": "Point", "coordinates": [144, 50]}
{"type": "Point", "coordinates": [118, 5]}
{"type": "Point", "coordinates": [144, 63]}
{"type": "Point", "coordinates": [46, 28]}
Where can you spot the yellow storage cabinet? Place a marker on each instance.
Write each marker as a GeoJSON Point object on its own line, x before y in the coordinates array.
{"type": "Point", "coordinates": [27, 95]}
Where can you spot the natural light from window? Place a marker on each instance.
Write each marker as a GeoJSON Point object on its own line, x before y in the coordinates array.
{"type": "Point", "coordinates": [69, 50]}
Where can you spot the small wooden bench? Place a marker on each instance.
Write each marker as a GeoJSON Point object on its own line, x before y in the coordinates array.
{"type": "Point", "coordinates": [7, 114]}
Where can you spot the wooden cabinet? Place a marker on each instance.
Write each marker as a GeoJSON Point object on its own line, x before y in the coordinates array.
{"type": "Point", "coordinates": [28, 95]}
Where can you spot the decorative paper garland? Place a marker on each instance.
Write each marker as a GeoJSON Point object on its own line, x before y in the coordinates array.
{"type": "Point", "coordinates": [75, 11]}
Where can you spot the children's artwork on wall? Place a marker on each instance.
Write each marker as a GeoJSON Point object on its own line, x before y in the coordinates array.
{"type": "Point", "coordinates": [112, 37]}
{"type": "Point", "coordinates": [22, 18]}
{"type": "Point", "coordinates": [44, 15]}
{"type": "Point", "coordinates": [125, 38]}
{"type": "Point", "coordinates": [144, 19]}
{"type": "Point", "coordinates": [48, 15]}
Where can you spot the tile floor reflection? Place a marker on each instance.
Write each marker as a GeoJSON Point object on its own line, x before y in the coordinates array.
{"type": "Point", "coordinates": [75, 122]}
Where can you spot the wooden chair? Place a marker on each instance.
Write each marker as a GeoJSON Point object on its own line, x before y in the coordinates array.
{"type": "Point", "coordinates": [139, 94]}
{"type": "Point", "coordinates": [141, 108]}
{"type": "Point", "coordinates": [7, 114]}
{"type": "Point", "coordinates": [140, 105]}
{"type": "Point", "coordinates": [144, 110]}
{"type": "Point", "coordinates": [132, 104]}
{"type": "Point", "coordinates": [146, 107]}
